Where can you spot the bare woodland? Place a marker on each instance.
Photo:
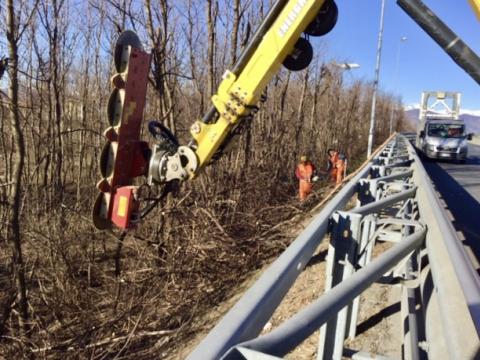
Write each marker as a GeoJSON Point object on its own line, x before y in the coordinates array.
{"type": "Point", "coordinates": [70, 291]}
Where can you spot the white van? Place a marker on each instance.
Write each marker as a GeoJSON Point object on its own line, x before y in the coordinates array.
{"type": "Point", "coordinates": [441, 134]}
{"type": "Point", "coordinates": [443, 139]}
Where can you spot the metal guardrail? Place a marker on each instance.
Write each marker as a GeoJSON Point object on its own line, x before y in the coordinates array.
{"type": "Point", "coordinates": [248, 317]}
{"type": "Point", "coordinates": [449, 299]}
{"type": "Point", "coordinates": [456, 284]}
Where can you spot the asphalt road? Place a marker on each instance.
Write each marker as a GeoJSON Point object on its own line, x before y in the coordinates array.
{"type": "Point", "coordinates": [459, 187]}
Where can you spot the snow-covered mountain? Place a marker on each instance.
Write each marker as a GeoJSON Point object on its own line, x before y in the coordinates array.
{"type": "Point", "coordinates": [471, 117]}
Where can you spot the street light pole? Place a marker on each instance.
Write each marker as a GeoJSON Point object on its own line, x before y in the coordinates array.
{"type": "Point", "coordinates": [375, 84]}
{"type": "Point", "coordinates": [395, 78]}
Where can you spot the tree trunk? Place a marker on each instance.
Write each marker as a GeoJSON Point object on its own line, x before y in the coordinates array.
{"type": "Point", "coordinates": [300, 113]}
{"type": "Point", "coordinates": [234, 36]}
{"type": "Point", "coordinates": [55, 73]}
{"type": "Point", "coordinates": [14, 233]}
{"type": "Point", "coordinates": [211, 20]}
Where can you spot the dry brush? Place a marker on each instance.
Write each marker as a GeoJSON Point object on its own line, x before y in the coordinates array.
{"type": "Point", "coordinates": [91, 294]}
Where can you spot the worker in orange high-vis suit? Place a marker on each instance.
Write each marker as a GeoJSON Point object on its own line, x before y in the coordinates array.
{"type": "Point", "coordinates": [337, 166]}
{"type": "Point", "coordinates": [304, 173]}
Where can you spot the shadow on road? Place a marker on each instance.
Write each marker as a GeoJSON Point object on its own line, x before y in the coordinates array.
{"type": "Point", "coordinates": [463, 206]}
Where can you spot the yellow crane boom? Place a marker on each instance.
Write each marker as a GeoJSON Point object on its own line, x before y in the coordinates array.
{"type": "Point", "coordinates": [475, 4]}
{"type": "Point", "coordinates": [277, 41]}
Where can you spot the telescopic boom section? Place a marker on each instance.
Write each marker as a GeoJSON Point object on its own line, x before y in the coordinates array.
{"type": "Point", "coordinates": [476, 7]}
{"type": "Point", "coordinates": [238, 94]}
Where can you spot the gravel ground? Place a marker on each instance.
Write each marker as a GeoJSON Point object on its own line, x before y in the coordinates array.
{"type": "Point", "coordinates": [378, 329]}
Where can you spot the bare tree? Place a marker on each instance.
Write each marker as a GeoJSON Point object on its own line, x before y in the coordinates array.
{"type": "Point", "coordinates": [179, 262]}
{"type": "Point", "coordinates": [237, 16]}
{"type": "Point", "coordinates": [212, 12]}
{"type": "Point", "coordinates": [14, 230]}
{"type": "Point", "coordinates": [160, 40]}
{"type": "Point", "coordinates": [192, 37]}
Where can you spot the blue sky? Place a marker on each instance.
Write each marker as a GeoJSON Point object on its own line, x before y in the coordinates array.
{"type": "Point", "coordinates": [423, 65]}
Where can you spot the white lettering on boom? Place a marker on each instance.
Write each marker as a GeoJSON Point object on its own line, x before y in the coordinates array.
{"type": "Point", "coordinates": [291, 17]}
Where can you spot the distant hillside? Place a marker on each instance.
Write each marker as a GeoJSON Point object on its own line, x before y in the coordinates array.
{"type": "Point", "coordinates": [472, 121]}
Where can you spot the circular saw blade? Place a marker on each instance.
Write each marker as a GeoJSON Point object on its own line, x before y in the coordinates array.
{"type": "Point", "coordinates": [127, 39]}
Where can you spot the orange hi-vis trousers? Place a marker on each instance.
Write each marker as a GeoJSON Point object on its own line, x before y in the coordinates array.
{"type": "Point", "coordinates": [305, 188]}
{"type": "Point", "coordinates": [304, 173]}
{"type": "Point", "coordinates": [337, 172]}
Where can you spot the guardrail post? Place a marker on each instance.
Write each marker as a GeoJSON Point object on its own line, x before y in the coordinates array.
{"type": "Point", "coordinates": [366, 191]}
{"type": "Point", "coordinates": [365, 249]}
{"type": "Point", "coordinates": [378, 171]}
{"type": "Point", "coordinates": [409, 301]}
{"type": "Point", "coordinates": [341, 263]}
{"type": "Point", "coordinates": [388, 159]}
{"type": "Point", "coordinates": [382, 160]}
